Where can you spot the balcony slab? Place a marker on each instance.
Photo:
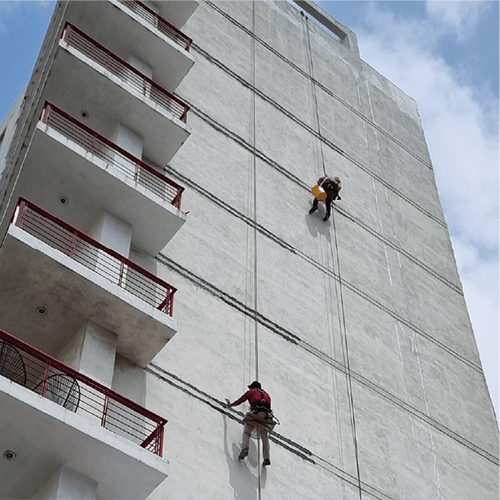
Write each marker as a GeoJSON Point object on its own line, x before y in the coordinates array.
{"type": "Point", "coordinates": [33, 275]}
{"type": "Point", "coordinates": [44, 436]}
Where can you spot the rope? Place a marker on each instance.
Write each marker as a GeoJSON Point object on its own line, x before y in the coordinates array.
{"type": "Point", "coordinates": [255, 232]}
{"type": "Point", "coordinates": [314, 92]}
{"type": "Point", "coordinates": [340, 296]}
{"type": "Point", "coordinates": [345, 352]}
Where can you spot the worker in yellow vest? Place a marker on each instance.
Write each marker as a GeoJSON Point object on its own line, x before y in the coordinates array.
{"type": "Point", "coordinates": [331, 186]}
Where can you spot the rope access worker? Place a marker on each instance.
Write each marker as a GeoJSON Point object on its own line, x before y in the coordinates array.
{"type": "Point", "coordinates": [332, 186]}
{"type": "Point", "coordinates": [259, 416]}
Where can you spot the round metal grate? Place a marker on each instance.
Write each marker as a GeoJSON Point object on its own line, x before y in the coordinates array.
{"type": "Point", "coordinates": [11, 363]}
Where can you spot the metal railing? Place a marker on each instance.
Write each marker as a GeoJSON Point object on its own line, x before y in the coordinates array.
{"type": "Point", "coordinates": [95, 256]}
{"type": "Point", "coordinates": [106, 150]}
{"type": "Point", "coordinates": [114, 64]}
{"type": "Point", "coordinates": [28, 366]}
{"type": "Point", "coordinates": [158, 22]}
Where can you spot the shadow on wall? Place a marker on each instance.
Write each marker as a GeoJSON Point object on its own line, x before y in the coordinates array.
{"type": "Point", "coordinates": [242, 473]}
{"type": "Point", "coordinates": [315, 222]}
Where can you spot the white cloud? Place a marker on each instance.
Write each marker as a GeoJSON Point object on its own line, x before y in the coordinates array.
{"type": "Point", "coordinates": [463, 147]}
{"type": "Point", "coordinates": [457, 17]}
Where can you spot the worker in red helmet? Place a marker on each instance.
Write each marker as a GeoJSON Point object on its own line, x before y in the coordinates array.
{"type": "Point", "coordinates": [259, 416]}
{"type": "Point", "coordinates": [332, 186]}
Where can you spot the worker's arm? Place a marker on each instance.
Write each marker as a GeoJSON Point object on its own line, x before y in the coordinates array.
{"type": "Point", "coordinates": [239, 401]}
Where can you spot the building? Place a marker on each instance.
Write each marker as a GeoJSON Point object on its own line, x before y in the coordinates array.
{"type": "Point", "coordinates": [164, 152]}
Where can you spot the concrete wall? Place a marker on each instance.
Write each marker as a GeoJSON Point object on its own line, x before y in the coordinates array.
{"type": "Point", "coordinates": [376, 379]}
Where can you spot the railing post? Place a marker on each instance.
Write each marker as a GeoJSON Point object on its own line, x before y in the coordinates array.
{"type": "Point", "coordinates": [72, 246]}
{"type": "Point", "coordinates": [44, 378]}
{"type": "Point", "coordinates": [176, 202]}
{"type": "Point", "coordinates": [45, 112]}
{"type": "Point", "coordinates": [105, 411]}
{"type": "Point", "coordinates": [66, 33]}
{"type": "Point", "coordinates": [122, 267]}
{"type": "Point", "coordinates": [160, 439]}
{"type": "Point", "coordinates": [92, 147]}
{"type": "Point", "coordinates": [20, 213]}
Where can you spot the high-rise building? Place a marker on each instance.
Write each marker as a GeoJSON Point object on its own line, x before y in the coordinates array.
{"type": "Point", "coordinates": [164, 152]}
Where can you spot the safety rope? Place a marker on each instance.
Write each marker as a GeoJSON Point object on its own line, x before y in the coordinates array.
{"type": "Point", "coordinates": [345, 352]}
{"type": "Point", "coordinates": [255, 232]}
{"type": "Point", "coordinates": [340, 296]}
{"type": "Point", "coordinates": [314, 92]}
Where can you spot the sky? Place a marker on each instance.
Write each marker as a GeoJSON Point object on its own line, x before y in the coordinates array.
{"type": "Point", "coordinates": [444, 54]}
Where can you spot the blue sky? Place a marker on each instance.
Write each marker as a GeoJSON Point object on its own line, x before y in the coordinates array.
{"type": "Point", "coordinates": [442, 53]}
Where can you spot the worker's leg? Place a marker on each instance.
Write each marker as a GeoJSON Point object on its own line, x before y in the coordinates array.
{"type": "Point", "coordinates": [247, 430]}
{"type": "Point", "coordinates": [315, 206]}
{"type": "Point", "coordinates": [264, 435]}
{"type": "Point", "coordinates": [328, 204]}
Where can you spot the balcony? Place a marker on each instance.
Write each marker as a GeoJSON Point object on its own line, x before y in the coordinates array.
{"type": "Point", "coordinates": [53, 414]}
{"type": "Point", "coordinates": [150, 37]}
{"type": "Point", "coordinates": [48, 264]}
{"type": "Point", "coordinates": [73, 162]}
{"type": "Point", "coordinates": [88, 79]}
{"type": "Point", "coordinates": [119, 68]}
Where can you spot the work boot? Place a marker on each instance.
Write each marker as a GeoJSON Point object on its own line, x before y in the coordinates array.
{"type": "Point", "coordinates": [243, 454]}
{"type": "Point", "coordinates": [312, 210]}
{"type": "Point", "coordinates": [326, 217]}
{"type": "Point", "coordinates": [266, 462]}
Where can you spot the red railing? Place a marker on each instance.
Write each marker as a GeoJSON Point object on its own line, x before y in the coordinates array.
{"type": "Point", "coordinates": [52, 379]}
{"type": "Point", "coordinates": [111, 153]}
{"type": "Point", "coordinates": [103, 260]}
{"type": "Point", "coordinates": [123, 70]}
{"type": "Point", "coordinates": [158, 22]}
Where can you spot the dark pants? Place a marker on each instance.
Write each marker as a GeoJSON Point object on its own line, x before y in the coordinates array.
{"type": "Point", "coordinates": [328, 204]}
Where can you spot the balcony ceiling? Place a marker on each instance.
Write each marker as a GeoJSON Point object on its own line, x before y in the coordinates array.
{"type": "Point", "coordinates": [44, 436]}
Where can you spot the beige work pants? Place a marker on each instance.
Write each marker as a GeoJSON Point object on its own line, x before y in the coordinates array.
{"type": "Point", "coordinates": [263, 432]}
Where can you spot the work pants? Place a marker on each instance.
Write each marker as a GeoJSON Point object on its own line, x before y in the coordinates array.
{"type": "Point", "coordinates": [328, 205]}
{"type": "Point", "coordinates": [263, 433]}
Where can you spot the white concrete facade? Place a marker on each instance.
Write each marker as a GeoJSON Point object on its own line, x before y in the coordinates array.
{"type": "Point", "coordinates": [357, 327]}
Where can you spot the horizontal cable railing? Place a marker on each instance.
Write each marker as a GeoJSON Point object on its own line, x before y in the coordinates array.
{"type": "Point", "coordinates": [106, 150]}
{"type": "Point", "coordinates": [28, 366]}
{"type": "Point", "coordinates": [103, 260]}
{"type": "Point", "coordinates": [158, 22]}
{"type": "Point", "coordinates": [94, 50]}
